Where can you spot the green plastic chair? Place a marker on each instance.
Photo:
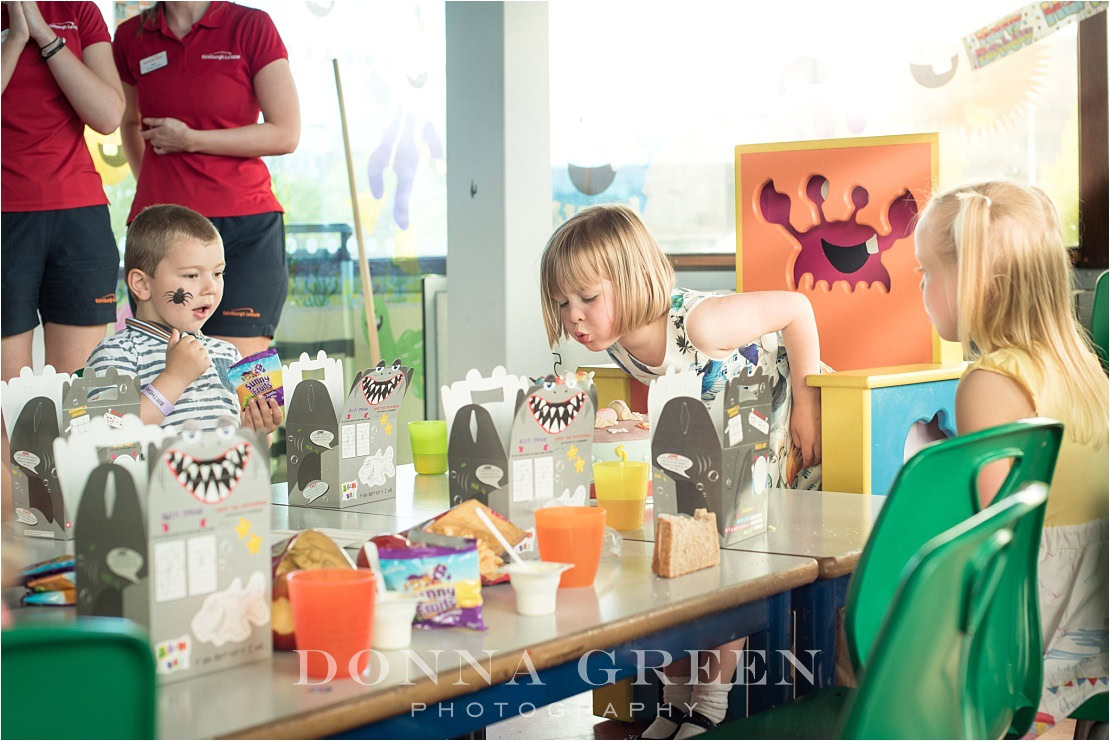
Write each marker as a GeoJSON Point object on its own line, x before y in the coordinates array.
{"type": "Point", "coordinates": [1100, 319]}
{"type": "Point", "coordinates": [936, 490]}
{"type": "Point", "coordinates": [923, 676]}
{"type": "Point", "coordinates": [89, 678]}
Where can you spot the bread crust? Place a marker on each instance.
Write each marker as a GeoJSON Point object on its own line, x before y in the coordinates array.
{"type": "Point", "coordinates": [685, 544]}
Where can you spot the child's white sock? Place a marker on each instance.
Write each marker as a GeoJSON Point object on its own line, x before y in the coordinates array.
{"type": "Point", "coordinates": [709, 699]}
{"type": "Point", "coordinates": [677, 696]}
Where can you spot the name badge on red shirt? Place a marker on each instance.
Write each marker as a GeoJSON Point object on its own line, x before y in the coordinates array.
{"type": "Point", "coordinates": [153, 62]}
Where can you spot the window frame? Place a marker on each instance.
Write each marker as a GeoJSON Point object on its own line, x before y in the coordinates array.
{"type": "Point", "coordinates": [1093, 151]}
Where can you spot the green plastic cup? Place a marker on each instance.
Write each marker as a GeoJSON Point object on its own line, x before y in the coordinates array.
{"type": "Point", "coordinates": [429, 446]}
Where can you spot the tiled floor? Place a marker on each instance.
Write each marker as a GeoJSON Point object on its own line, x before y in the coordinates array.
{"type": "Point", "coordinates": [573, 719]}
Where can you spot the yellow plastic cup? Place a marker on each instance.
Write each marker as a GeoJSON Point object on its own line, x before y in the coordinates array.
{"type": "Point", "coordinates": [429, 445]}
{"type": "Point", "coordinates": [621, 488]}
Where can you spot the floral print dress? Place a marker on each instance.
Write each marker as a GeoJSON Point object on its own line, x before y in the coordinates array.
{"type": "Point", "coordinates": [767, 353]}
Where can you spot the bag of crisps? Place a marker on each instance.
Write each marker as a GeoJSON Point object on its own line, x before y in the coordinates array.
{"type": "Point", "coordinates": [443, 573]}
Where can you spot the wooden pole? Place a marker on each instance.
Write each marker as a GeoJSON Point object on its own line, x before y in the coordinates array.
{"type": "Point", "coordinates": [363, 265]}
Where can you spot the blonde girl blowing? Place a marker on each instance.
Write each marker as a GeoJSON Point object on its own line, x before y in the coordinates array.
{"type": "Point", "coordinates": [997, 278]}
{"type": "Point", "coordinates": [606, 284]}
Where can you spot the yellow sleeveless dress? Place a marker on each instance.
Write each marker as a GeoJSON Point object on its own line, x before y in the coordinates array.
{"type": "Point", "coordinates": [1073, 562]}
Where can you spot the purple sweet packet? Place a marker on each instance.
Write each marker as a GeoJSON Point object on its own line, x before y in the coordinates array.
{"type": "Point", "coordinates": [446, 578]}
{"type": "Point", "coordinates": [258, 375]}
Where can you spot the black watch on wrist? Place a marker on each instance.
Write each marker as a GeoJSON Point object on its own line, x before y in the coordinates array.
{"type": "Point", "coordinates": [53, 47]}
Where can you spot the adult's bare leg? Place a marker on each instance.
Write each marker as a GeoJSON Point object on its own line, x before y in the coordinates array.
{"type": "Point", "coordinates": [68, 346]}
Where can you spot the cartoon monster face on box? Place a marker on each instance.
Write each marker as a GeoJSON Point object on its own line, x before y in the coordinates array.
{"type": "Point", "coordinates": [548, 449]}
{"type": "Point", "coordinates": [39, 507]}
{"type": "Point", "coordinates": [382, 387]}
{"type": "Point", "coordinates": [555, 404]}
{"type": "Point", "coordinates": [197, 554]}
{"type": "Point", "coordinates": [368, 434]}
{"type": "Point", "coordinates": [208, 467]}
{"type": "Point", "coordinates": [340, 462]}
{"type": "Point", "coordinates": [721, 467]}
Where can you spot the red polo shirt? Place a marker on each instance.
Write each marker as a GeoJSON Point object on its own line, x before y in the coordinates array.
{"type": "Point", "coordinates": [46, 164]}
{"type": "Point", "coordinates": [205, 80]}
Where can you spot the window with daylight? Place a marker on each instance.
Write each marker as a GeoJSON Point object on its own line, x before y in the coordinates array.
{"type": "Point", "coordinates": [647, 103]}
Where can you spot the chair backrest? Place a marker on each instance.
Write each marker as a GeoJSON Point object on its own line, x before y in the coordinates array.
{"type": "Point", "coordinates": [90, 678]}
{"type": "Point", "coordinates": [926, 676]}
{"type": "Point", "coordinates": [1099, 318]}
{"type": "Point", "coordinates": [936, 490]}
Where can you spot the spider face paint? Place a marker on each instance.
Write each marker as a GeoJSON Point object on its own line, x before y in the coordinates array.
{"type": "Point", "coordinates": [180, 296]}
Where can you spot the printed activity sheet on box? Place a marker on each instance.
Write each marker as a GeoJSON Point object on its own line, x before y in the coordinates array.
{"type": "Point", "coordinates": [169, 570]}
{"type": "Point", "coordinates": [202, 565]}
{"type": "Point", "coordinates": [364, 438]}
{"type": "Point", "coordinates": [522, 480]}
{"type": "Point", "coordinates": [348, 441]}
{"type": "Point", "coordinates": [545, 478]}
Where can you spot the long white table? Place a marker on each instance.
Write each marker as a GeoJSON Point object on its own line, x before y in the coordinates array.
{"type": "Point", "coordinates": [829, 527]}
{"type": "Point", "coordinates": [627, 609]}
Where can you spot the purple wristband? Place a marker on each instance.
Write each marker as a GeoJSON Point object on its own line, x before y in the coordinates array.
{"type": "Point", "coordinates": [159, 401]}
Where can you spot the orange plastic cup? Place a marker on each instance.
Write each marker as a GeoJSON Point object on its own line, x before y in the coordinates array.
{"type": "Point", "coordinates": [572, 535]}
{"type": "Point", "coordinates": [333, 613]}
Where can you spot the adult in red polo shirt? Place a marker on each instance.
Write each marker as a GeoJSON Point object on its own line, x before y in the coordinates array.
{"type": "Point", "coordinates": [195, 77]}
{"type": "Point", "coordinates": [59, 258]}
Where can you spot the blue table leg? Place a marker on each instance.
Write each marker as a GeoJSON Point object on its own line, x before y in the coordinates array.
{"type": "Point", "coordinates": [774, 667]}
{"type": "Point", "coordinates": [815, 606]}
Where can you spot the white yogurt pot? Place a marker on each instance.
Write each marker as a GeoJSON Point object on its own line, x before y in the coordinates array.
{"type": "Point", "coordinates": [393, 615]}
{"type": "Point", "coordinates": [536, 584]}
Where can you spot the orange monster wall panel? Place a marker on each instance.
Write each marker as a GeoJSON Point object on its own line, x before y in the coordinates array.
{"type": "Point", "coordinates": [834, 220]}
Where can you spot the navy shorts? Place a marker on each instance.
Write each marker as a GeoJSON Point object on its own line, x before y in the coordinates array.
{"type": "Point", "coordinates": [257, 279]}
{"type": "Point", "coordinates": [59, 265]}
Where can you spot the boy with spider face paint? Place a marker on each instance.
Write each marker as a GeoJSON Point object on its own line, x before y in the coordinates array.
{"type": "Point", "coordinates": [174, 265]}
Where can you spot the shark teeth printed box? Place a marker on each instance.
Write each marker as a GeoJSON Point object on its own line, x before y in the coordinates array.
{"type": "Point", "coordinates": [32, 417]}
{"type": "Point", "coordinates": [342, 450]}
{"type": "Point", "coordinates": [514, 442]}
{"type": "Point", "coordinates": [110, 396]}
{"type": "Point", "coordinates": [717, 458]}
{"type": "Point", "coordinates": [177, 541]}
{"type": "Point", "coordinates": [38, 409]}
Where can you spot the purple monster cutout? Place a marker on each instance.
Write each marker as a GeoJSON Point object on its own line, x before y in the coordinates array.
{"type": "Point", "coordinates": [839, 250]}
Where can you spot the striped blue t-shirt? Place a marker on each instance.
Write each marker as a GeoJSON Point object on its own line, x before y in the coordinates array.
{"type": "Point", "coordinates": [140, 349]}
